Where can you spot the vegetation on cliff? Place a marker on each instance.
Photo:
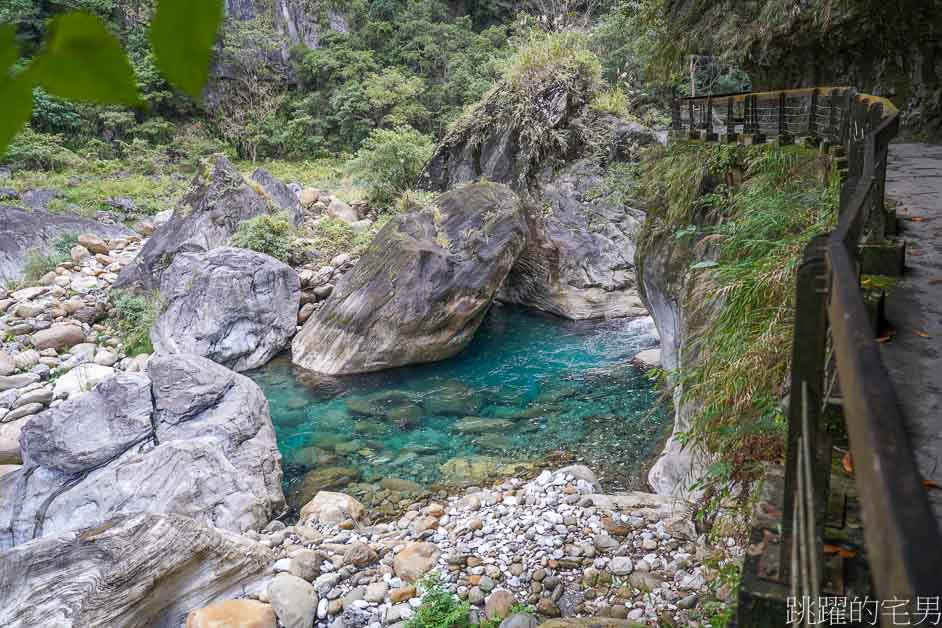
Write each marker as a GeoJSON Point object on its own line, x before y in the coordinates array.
{"type": "Point", "coordinates": [736, 220]}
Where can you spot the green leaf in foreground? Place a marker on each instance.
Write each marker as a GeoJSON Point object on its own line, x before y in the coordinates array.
{"type": "Point", "coordinates": [83, 60]}
{"type": "Point", "coordinates": [183, 34]}
{"type": "Point", "coordinates": [16, 94]}
{"type": "Point", "coordinates": [9, 50]}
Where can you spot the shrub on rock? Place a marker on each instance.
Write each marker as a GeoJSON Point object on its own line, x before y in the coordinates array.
{"type": "Point", "coordinates": [422, 287]}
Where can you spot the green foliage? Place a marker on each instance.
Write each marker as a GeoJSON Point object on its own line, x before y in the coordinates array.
{"type": "Point", "coordinates": [183, 34]}
{"type": "Point", "coordinates": [439, 609]}
{"type": "Point", "coordinates": [765, 207]}
{"type": "Point", "coordinates": [545, 65]}
{"type": "Point", "coordinates": [391, 161]}
{"type": "Point", "coordinates": [40, 151]}
{"type": "Point", "coordinates": [267, 234]}
{"type": "Point", "coordinates": [133, 316]}
{"type": "Point", "coordinates": [611, 100]}
{"type": "Point", "coordinates": [83, 60]}
{"type": "Point", "coordinates": [333, 236]}
{"type": "Point", "coordinates": [38, 263]}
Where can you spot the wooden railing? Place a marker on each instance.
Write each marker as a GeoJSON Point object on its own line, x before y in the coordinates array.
{"type": "Point", "coordinates": [835, 359]}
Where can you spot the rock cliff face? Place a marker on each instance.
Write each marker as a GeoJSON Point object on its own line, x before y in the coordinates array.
{"type": "Point", "coordinates": [891, 49]}
{"type": "Point", "coordinates": [579, 260]}
{"type": "Point", "coordinates": [22, 230]}
{"type": "Point", "coordinates": [188, 437]}
{"type": "Point", "coordinates": [207, 217]}
{"type": "Point", "coordinates": [134, 571]}
{"type": "Point", "coordinates": [421, 289]}
{"type": "Point", "coordinates": [677, 299]}
{"type": "Point", "coordinates": [236, 307]}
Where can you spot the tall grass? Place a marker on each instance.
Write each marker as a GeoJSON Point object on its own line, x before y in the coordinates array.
{"type": "Point", "coordinates": [744, 239]}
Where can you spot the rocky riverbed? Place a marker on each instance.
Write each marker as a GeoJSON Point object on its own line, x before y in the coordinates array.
{"type": "Point", "coordinates": [553, 547]}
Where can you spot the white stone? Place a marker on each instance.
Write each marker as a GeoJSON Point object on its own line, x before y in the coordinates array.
{"type": "Point", "coordinates": [81, 379]}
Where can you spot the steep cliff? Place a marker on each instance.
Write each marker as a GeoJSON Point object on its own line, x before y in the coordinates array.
{"type": "Point", "coordinates": [542, 132]}
{"type": "Point", "coordinates": [716, 258]}
{"type": "Point", "coordinates": [891, 49]}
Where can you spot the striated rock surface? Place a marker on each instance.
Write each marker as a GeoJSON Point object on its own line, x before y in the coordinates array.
{"type": "Point", "coordinates": [137, 571]}
{"type": "Point", "coordinates": [236, 307]}
{"type": "Point", "coordinates": [188, 437]}
{"type": "Point", "coordinates": [205, 219]}
{"type": "Point", "coordinates": [421, 289]}
{"type": "Point", "coordinates": [22, 230]}
{"type": "Point", "coordinates": [579, 260]}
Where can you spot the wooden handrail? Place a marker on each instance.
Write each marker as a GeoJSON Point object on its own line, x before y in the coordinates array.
{"type": "Point", "coordinates": [904, 543]}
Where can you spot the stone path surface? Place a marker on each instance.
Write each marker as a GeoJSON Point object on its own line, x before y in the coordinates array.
{"type": "Point", "coordinates": [914, 308]}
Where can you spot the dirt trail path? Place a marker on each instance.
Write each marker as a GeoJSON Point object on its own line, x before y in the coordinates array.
{"type": "Point", "coordinates": [914, 308]}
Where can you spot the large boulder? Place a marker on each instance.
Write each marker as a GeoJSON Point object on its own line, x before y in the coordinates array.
{"type": "Point", "coordinates": [22, 231]}
{"type": "Point", "coordinates": [579, 260]}
{"type": "Point", "coordinates": [421, 289]}
{"type": "Point", "coordinates": [234, 306]}
{"type": "Point", "coordinates": [188, 437]}
{"type": "Point", "coordinates": [133, 571]}
{"type": "Point", "coordinates": [207, 218]}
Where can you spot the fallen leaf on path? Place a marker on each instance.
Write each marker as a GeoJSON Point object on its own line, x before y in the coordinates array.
{"type": "Point", "coordinates": [915, 218]}
{"type": "Point", "coordinates": [921, 333]}
{"type": "Point", "coordinates": [930, 484]}
{"type": "Point", "coordinates": [848, 464]}
{"type": "Point", "coordinates": [935, 281]}
{"type": "Point", "coordinates": [839, 551]}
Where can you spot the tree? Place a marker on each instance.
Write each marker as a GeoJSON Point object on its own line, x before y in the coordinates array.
{"type": "Point", "coordinates": [82, 60]}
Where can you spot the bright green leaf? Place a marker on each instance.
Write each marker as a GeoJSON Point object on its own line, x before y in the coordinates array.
{"type": "Point", "coordinates": [16, 94]}
{"type": "Point", "coordinates": [84, 61]}
{"type": "Point", "coordinates": [9, 50]}
{"type": "Point", "coordinates": [183, 33]}
{"type": "Point", "coordinates": [706, 264]}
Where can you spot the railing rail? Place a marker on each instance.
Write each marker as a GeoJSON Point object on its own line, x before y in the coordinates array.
{"type": "Point", "coordinates": [835, 347]}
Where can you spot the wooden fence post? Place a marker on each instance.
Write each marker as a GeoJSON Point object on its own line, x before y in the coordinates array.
{"type": "Point", "coordinates": [809, 342]}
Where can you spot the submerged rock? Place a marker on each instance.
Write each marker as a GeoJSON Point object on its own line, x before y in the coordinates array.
{"type": "Point", "coordinates": [190, 437]}
{"type": "Point", "coordinates": [205, 219]}
{"type": "Point", "coordinates": [137, 571]}
{"type": "Point", "coordinates": [236, 307]}
{"type": "Point", "coordinates": [421, 289]}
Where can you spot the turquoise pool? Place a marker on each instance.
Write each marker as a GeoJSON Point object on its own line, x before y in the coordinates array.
{"type": "Point", "coordinates": [528, 386]}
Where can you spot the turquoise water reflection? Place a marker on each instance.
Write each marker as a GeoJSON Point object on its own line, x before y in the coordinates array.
{"type": "Point", "coordinates": [528, 385]}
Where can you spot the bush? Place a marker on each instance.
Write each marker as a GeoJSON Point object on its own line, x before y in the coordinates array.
{"type": "Point", "coordinates": [271, 235]}
{"type": "Point", "coordinates": [133, 316]}
{"type": "Point", "coordinates": [440, 609]}
{"type": "Point", "coordinates": [40, 151]}
{"type": "Point", "coordinates": [613, 101]}
{"type": "Point", "coordinates": [390, 162]}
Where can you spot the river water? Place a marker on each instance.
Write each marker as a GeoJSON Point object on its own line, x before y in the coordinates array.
{"type": "Point", "coordinates": [527, 387]}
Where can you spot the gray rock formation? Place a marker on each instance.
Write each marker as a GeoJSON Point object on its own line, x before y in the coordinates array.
{"type": "Point", "coordinates": [279, 194]}
{"type": "Point", "coordinates": [680, 303]}
{"type": "Point", "coordinates": [579, 260]}
{"type": "Point", "coordinates": [22, 230]}
{"type": "Point", "coordinates": [205, 219]}
{"type": "Point", "coordinates": [190, 437]}
{"type": "Point", "coordinates": [236, 307]}
{"type": "Point", "coordinates": [133, 571]}
{"type": "Point", "coordinates": [421, 289]}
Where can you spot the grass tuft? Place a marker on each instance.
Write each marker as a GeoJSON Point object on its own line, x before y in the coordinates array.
{"type": "Point", "coordinates": [739, 219]}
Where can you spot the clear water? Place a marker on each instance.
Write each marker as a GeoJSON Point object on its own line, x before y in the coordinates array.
{"type": "Point", "coordinates": [535, 386]}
